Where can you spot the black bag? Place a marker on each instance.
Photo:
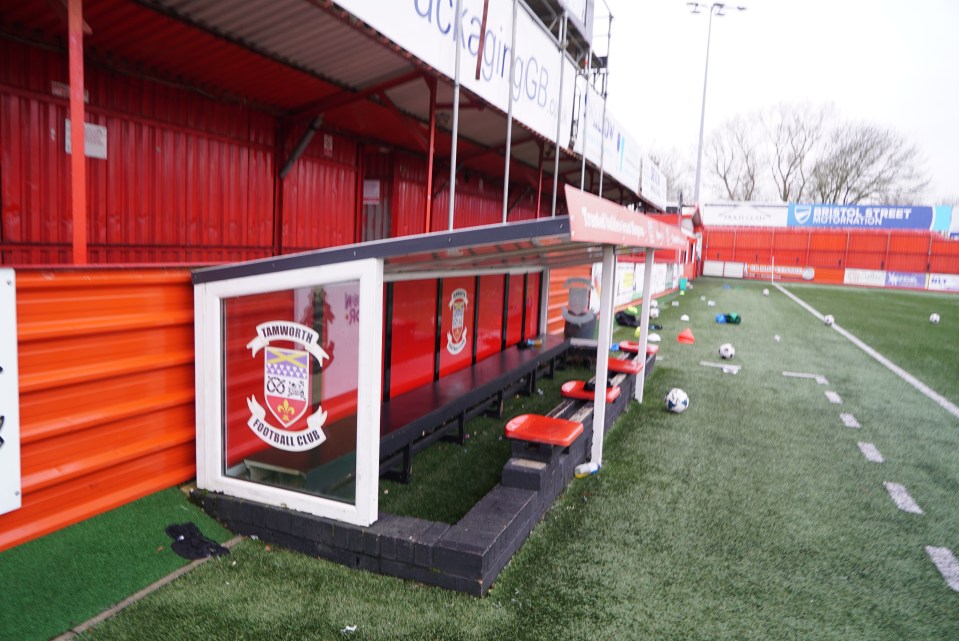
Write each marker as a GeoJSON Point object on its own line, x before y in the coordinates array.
{"type": "Point", "coordinates": [626, 319]}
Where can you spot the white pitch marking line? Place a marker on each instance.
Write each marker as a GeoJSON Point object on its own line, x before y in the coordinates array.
{"type": "Point", "coordinates": [901, 498]}
{"type": "Point", "coordinates": [727, 369]}
{"type": "Point", "coordinates": [801, 375]}
{"type": "Point", "coordinates": [947, 565]}
{"type": "Point", "coordinates": [834, 398]}
{"type": "Point", "coordinates": [870, 452]}
{"type": "Point", "coordinates": [822, 380]}
{"type": "Point", "coordinates": [903, 374]}
{"type": "Point", "coordinates": [849, 420]}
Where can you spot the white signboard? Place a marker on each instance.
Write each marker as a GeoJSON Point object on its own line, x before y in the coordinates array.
{"type": "Point", "coordinates": [426, 29]}
{"type": "Point", "coordinates": [653, 185]}
{"type": "Point", "coordinates": [744, 215]}
{"type": "Point", "coordinates": [9, 395]}
{"type": "Point", "coordinates": [865, 277]}
{"type": "Point", "coordinates": [606, 142]}
{"type": "Point", "coordinates": [944, 282]}
{"type": "Point", "coordinates": [94, 140]}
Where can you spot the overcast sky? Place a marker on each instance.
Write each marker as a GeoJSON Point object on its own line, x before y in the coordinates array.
{"type": "Point", "coordinates": [890, 62]}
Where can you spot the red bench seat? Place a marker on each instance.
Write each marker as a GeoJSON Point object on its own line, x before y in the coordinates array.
{"type": "Point", "coordinates": [536, 428]}
{"type": "Point", "coordinates": [577, 390]}
{"type": "Point", "coordinates": [633, 347]}
{"type": "Point", "coordinates": [620, 366]}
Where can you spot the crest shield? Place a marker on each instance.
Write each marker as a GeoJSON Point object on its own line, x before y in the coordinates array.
{"type": "Point", "coordinates": [286, 383]}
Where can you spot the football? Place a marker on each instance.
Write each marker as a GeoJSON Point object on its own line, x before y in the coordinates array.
{"type": "Point", "coordinates": [654, 312]}
{"type": "Point", "coordinates": [765, 292]}
{"type": "Point", "coordinates": [727, 351]}
{"type": "Point", "coordinates": [677, 401]}
{"type": "Point", "coordinates": [654, 303]}
{"type": "Point", "coordinates": [934, 319]}
{"type": "Point", "coordinates": [828, 319]}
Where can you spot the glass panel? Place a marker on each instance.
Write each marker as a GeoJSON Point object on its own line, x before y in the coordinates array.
{"type": "Point", "coordinates": [290, 383]}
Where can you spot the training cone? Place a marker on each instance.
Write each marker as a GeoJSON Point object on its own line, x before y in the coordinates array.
{"type": "Point", "coordinates": [686, 336]}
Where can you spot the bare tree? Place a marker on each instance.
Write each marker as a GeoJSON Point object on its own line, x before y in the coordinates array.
{"type": "Point", "coordinates": [793, 134]}
{"type": "Point", "coordinates": [867, 163]}
{"type": "Point", "coordinates": [734, 157]}
{"type": "Point", "coordinates": [677, 171]}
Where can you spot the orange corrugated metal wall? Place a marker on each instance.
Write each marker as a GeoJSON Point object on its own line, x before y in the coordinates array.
{"type": "Point", "coordinates": [106, 392]}
{"type": "Point", "coordinates": [903, 251]}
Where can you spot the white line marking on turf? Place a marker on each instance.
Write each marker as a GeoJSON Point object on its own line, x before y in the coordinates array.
{"type": "Point", "coordinates": [901, 498]}
{"type": "Point", "coordinates": [903, 374]}
{"type": "Point", "coordinates": [947, 565]}
{"type": "Point", "coordinates": [870, 452]}
{"type": "Point", "coordinates": [727, 369]}
{"type": "Point", "coordinates": [834, 398]}
{"type": "Point", "coordinates": [819, 379]}
{"type": "Point", "coordinates": [849, 420]}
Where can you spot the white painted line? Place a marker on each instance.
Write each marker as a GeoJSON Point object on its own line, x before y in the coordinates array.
{"type": "Point", "coordinates": [822, 380]}
{"type": "Point", "coordinates": [869, 451]}
{"type": "Point", "coordinates": [726, 367]}
{"type": "Point", "coordinates": [800, 375]}
{"type": "Point", "coordinates": [947, 565]}
{"type": "Point", "coordinates": [901, 498]}
{"type": "Point", "coordinates": [834, 398]}
{"type": "Point", "coordinates": [903, 374]}
{"type": "Point", "coordinates": [849, 420]}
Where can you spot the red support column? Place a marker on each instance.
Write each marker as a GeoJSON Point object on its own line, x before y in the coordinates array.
{"type": "Point", "coordinates": [78, 168]}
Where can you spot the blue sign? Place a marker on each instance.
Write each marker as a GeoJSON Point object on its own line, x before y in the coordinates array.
{"type": "Point", "coordinates": [860, 216]}
{"type": "Point", "coordinates": [905, 280]}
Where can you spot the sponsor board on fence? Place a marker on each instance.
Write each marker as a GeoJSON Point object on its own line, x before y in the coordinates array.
{"type": "Point", "coordinates": [860, 216]}
{"type": "Point", "coordinates": [865, 277]}
{"type": "Point", "coordinates": [905, 280]}
{"type": "Point", "coordinates": [783, 272]}
{"type": "Point", "coordinates": [744, 215]}
{"type": "Point", "coordinates": [944, 282]}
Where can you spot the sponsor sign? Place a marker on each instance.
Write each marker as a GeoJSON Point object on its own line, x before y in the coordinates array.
{"type": "Point", "coordinates": [94, 140]}
{"type": "Point", "coordinates": [864, 277]}
{"type": "Point", "coordinates": [787, 272]}
{"type": "Point", "coordinates": [944, 282]}
{"type": "Point", "coordinates": [906, 280]}
{"type": "Point", "coordinates": [860, 216]}
{"type": "Point", "coordinates": [371, 192]}
{"type": "Point", "coordinates": [653, 183]}
{"type": "Point", "coordinates": [286, 387]}
{"type": "Point", "coordinates": [744, 215]}
{"type": "Point", "coordinates": [456, 337]}
{"type": "Point", "coordinates": [594, 220]}
{"type": "Point", "coordinates": [427, 28]}
{"type": "Point", "coordinates": [605, 141]}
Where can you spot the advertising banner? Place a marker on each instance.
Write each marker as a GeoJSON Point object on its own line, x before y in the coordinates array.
{"type": "Point", "coordinates": [905, 280]}
{"type": "Point", "coordinates": [652, 183]}
{"type": "Point", "coordinates": [606, 142]}
{"type": "Point", "coordinates": [860, 216]}
{"type": "Point", "coordinates": [744, 215]}
{"type": "Point", "coordinates": [594, 220]}
{"type": "Point", "coordinates": [865, 277]}
{"type": "Point", "coordinates": [784, 272]}
{"type": "Point", "coordinates": [426, 29]}
{"type": "Point", "coordinates": [944, 282]}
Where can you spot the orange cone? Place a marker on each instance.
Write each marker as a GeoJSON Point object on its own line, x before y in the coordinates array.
{"type": "Point", "coordinates": [686, 336]}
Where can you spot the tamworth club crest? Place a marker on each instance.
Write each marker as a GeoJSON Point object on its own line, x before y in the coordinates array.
{"type": "Point", "coordinates": [286, 386]}
{"type": "Point", "coordinates": [456, 337]}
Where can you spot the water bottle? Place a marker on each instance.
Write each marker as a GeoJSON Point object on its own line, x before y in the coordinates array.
{"type": "Point", "coordinates": [586, 469]}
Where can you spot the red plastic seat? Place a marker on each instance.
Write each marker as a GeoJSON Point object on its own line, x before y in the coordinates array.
{"type": "Point", "coordinates": [577, 390]}
{"type": "Point", "coordinates": [633, 347]}
{"type": "Point", "coordinates": [620, 366]}
{"type": "Point", "coordinates": [536, 428]}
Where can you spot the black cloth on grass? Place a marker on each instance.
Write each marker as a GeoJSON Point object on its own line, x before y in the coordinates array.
{"type": "Point", "coordinates": [190, 543]}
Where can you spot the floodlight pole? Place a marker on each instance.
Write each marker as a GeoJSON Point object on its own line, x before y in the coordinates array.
{"type": "Point", "coordinates": [717, 9]}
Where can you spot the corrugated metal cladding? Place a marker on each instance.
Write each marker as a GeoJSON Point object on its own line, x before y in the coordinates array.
{"type": "Point", "coordinates": [905, 251]}
{"type": "Point", "coordinates": [106, 392]}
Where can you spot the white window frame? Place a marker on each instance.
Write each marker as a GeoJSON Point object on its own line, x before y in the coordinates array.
{"type": "Point", "coordinates": [210, 390]}
{"type": "Point", "coordinates": [10, 480]}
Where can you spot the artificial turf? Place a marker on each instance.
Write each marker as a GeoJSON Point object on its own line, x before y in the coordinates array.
{"type": "Point", "coordinates": [751, 516]}
{"type": "Point", "coordinates": [61, 580]}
